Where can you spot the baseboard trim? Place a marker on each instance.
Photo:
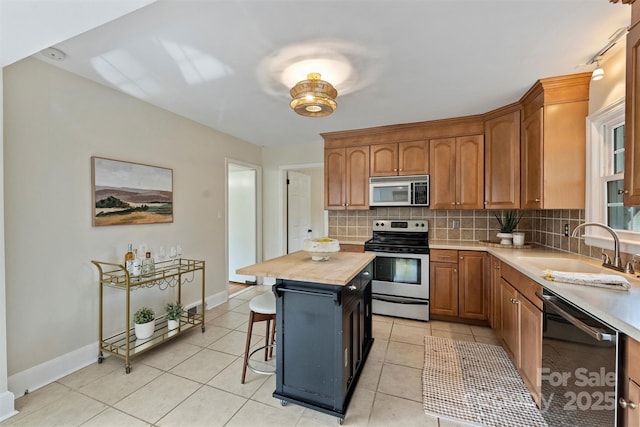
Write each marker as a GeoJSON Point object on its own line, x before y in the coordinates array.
{"type": "Point", "coordinates": [7, 410]}
{"type": "Point", "coordinates": [45, 373]}
{"type": "Point", "coordinates": [216, 299]}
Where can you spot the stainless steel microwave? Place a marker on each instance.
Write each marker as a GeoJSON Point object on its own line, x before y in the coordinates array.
{"type": "Point", "coordinates": [410, 190]}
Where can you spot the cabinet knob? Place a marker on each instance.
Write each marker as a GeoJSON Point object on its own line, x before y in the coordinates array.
{"type": "Point", "coordinates": [486, 202]}
{"type": "Point", "coordinates": [536, 200]}
{"type": "Point", "coordinates": [461, 257]}
{"type": "Point", "coordinates": [624, 404]}
{"type": "Point", "coordinates": [352, 287]}
{"type": "Point", "coordinates": [623, 191]}
{"type": "Point", "coordinates": [455, 270]}
{"type": "Point", "coordinates": [457, 203]}
{"type": "Point", "coordinates": [395, 170]}
{"type": "Point", "coordinates": [365, 273]}
{"type": "Point", "coordinates": [453, 203]}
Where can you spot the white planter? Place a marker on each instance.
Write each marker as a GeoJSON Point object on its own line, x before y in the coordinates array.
{"type": "Point", "coordinates": [172, 324]}
{"type": "Point", "coordinates": [144, 330]}
{"type": "Point", "coordinates": [505, 238]}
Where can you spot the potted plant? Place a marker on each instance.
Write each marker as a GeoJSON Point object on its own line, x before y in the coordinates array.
{"type": "Point", "coordinates": [174, 311]}
{"type": "Point", "coordinates": [144, 323]}
{"type": "Point", "coordinates": [508, 221]}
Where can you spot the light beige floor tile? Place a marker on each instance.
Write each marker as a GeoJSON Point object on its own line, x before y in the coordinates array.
{"type": "Point", "coordinates": [450, 327]}
{"type": "Point", "coordinates": [401, 381]}
{"type": "Point", "coordinates": [400, 353]}
{"type": "Point", "coordinates": [204, 365]}
{"type": "Point", "coordinates": [158, 398]}
{"type": "Point", "coordinates": [214, 312]}
{"type": "Point", "coordinates": [229, 380]}
{"type": "Point", "coordinates": [253, 292]}
{"type": "Point", "coordinates": [39, 398]}
{"type": "Point", "coordinates": [117, 385]}
{"type": "Point", "coordinates": [414, 323]}
{"type": "Point", "coordinates": [482, 331]}
{"type": "Point", "coordinates": [379, 349]}
{"type": "Point", "coordinates": [409, 334]}
{"type": "Point", "coordinates": [488, 340]}
{"type": "Point", "coordinates": [360, 406]}
{"type": "Point", "coordinates": [390, 411]}
{"type": "Point", "coordinates": [73, 410]}
{"type": "Point", "coordinates": [370, 375]}
{"type": "Point", "coordinates": [206, 407]}
{"type": "Point", "coordinates": [381, 330]}
{"type": "Point", "coordinates": [234, 343]}
{"type": "Point", "coordinates": [259, 328]}
{"type": "Point", "coordinates": [385, 319]}
{"type": "Point", "coordinates": [166, 357]}
{"type": "Point", "coordinates": [242, 308]}
{"type": "Point", "coordinates": [264, 394]}
{"type": "Point", "coordinates": [112, 417]}
{"type": "Point", "coordinates": [258, 414]}
{"type": "Point", "coordinates": [91, 372]}
{"type": "Point", "coordinates": [452, 335]}
{"type": "Point", "coordinates": [230, 320]}
{"type": "Point", "coordinates": [210, 335]}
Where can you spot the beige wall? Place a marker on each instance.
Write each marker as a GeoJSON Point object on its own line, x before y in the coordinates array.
{"type": "Point", "coordinates": [53, 123]}
{"type": "Point", "coordinates": [612, 87]}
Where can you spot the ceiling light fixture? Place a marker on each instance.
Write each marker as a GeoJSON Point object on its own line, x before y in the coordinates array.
{"type": "Point", "coordinates": [598, 73]}
{"type": "Point", "coordinates": [313, 97]}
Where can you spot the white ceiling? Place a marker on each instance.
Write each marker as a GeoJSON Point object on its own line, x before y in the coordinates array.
{"type": "Point", "coordinates": [213, 61]}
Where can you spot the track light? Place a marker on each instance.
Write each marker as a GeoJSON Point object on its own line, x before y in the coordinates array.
{"type": "Point", "coordinates": [598, 73]}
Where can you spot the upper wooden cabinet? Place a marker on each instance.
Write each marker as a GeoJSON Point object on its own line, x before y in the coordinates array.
{"type": "Point", "coordinates": [457, 172]}
{"type": "Point", "coordinates": [346, 178]}
{"type": "Point", "coordinates": [632, 121]}
{"type": "Point", "coordinates": [553, 143]}
{"type": "Point", "coordinates": [403, 158]}
{"type": "Point", "coordinates": [502, 158]}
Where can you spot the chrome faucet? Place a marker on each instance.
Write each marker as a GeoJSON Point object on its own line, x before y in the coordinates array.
{"type": "Point", "coordinates": [616, 264]}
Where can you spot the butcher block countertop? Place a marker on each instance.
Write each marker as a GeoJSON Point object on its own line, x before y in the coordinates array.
{"type": "Point", "coordinates": [338, 270]}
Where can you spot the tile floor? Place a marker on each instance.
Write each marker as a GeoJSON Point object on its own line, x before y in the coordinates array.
{"type": "Point", "coordinates": [195, 381]}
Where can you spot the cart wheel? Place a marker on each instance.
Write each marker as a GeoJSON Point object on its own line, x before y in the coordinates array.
{"type": "Point", "coordinates": [340, 421]}
{"type": "Point", "coordinates": [203, 329]}
{"type": "Point", "coordinates": [283, 402]}
{"type": "Point", "coordinates": [127, 369]}
{"type": "Point", "coordinates": [100, 359]}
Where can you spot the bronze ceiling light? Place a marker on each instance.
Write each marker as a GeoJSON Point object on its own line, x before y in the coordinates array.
{"type": "Point", "coordinates": [313, 97]}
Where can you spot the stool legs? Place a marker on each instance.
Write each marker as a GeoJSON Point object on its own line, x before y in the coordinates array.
{"type": "Point", "coordinates": [270, 331]}
{"type": "Point", "coordinates": [246, 347]}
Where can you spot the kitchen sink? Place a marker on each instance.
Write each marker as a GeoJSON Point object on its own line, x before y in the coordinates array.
{"type": "Point", "coordinates": [564, 264]}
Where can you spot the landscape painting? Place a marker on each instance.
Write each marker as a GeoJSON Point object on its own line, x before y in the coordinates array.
{"type": "Point", "coordinates": [130, 193]}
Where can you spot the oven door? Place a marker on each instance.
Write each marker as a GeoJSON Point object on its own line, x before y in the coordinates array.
{"type": "Point", "coordinates": [401, 275]}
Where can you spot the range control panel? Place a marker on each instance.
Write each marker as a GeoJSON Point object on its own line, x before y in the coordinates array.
{"type": "Point", "coordinates": [407, 225]}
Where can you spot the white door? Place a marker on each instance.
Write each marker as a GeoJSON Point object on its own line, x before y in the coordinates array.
{"type": "Point", "coordinates": [298, 210]}
{"type": "Point", "coordinates": [242, 219]}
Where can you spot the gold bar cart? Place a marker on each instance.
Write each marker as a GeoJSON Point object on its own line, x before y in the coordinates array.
{"type": "Point", "coordinates": [168, 273]}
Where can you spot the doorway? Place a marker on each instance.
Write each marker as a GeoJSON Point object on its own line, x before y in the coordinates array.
{"type": "Point", "coordinates": [242, 223]}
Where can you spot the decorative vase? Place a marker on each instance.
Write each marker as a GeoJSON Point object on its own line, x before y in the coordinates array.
{"type": "Point", "coordinates": [144, 330]}
{"type": "Point", "coordinates": [505, 238]}
{"type": "Point", "coordinates": [172, 324]}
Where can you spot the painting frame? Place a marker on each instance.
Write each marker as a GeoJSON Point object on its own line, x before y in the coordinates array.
{"type": "Point", "coordinates": [129, 193]}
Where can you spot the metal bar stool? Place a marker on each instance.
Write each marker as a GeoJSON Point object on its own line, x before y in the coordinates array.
{"type": "Point", "coordinates": [263, 308]}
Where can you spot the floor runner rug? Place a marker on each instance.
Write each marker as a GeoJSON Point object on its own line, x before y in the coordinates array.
{"type": "Point", "coordinates": [475, 383]}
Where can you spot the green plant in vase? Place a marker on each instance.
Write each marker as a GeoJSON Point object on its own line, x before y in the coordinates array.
{"type": "Point", "coordinates": [508, 222]}
{"type": "Point", "coordinates": [174, 311]}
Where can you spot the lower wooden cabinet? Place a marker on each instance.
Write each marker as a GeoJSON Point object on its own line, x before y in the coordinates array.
{"type": "Point", "coordinates": [629, 401]}
{"type": "Point", "coordinates": [495, 312]}
{"type": "Point", "coordinates": [351, 248]}
{"type": "Point", "coordinates": [521, 326]}
{"type": "Point", "coordinates": [458, 288]}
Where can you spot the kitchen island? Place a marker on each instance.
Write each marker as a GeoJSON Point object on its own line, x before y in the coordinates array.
{"type": "Point", "coordinates": [324, 329]}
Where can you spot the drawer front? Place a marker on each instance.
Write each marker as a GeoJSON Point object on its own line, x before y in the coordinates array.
{"type": "Point", "coordinates": [522, 284]}
{"type": "Point", "coordinates": [443, 255]}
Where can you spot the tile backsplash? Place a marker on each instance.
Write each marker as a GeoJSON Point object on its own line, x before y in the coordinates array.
{"type": "Point", "coordinates": [542, 227]}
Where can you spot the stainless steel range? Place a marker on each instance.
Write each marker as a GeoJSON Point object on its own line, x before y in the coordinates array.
{"type": "Point", "coordinates": [400, 284]}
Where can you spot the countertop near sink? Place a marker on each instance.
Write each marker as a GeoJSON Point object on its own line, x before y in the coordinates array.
{"type": "Point", "coordinates": [620, 309]}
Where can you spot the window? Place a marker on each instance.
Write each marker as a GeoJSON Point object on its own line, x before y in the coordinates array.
{"type": "Point", "coordinates": [605, 181]}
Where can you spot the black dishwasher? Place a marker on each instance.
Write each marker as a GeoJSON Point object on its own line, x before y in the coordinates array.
{"type": "Point", "coordinates": [579, 366]}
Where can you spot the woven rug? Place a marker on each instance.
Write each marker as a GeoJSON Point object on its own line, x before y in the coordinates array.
{"type": "Point", "coordinates": [475, 383]}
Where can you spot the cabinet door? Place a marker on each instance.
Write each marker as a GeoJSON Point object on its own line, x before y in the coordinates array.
{"type": "Point", "coordinates": [384, 160]}
{"type": "Point", "coordinates": [470, 172]}
{"type": "Point", "coordinates": [502, 161]}
{"type": "Point", "coordinates": [473, 296]}
{"type": "Point", "coordinates": [413, 158]}
{"type": "Point", "coordinates": [357, 177]}
{"type": "Point", "coordinates": [632, 120]}
{"type": "Point", "coordinates": [495, 309]}
{"type": "Point", "coordinates": [443, 288]}
{"type": "Point", "coordinates": [531, 346]}
{"type": "Point", "coordinates": [510, 329]}
{"type": "Point", "coordinates": [334, 178]}
{"type": "Point", "coordinates": [442, 164]}
{"type": "Point", "coordinates": [531, 174]}
{"type": "Point", "coordinates": [632, 415]}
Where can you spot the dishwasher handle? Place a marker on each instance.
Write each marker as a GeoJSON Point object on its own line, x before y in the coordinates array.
{"type": "Point", "coordinates": [596, 334]}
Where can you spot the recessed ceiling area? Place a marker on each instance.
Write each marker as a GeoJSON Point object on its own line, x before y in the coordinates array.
{"type": "Point", "coordinates": [229, 64]}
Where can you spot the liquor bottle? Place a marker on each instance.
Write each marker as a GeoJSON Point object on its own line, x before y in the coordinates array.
{"type": "Point", "coordinates": [148, 266]}
{"type": "Point", "coordinates": [128, 259]}
{"type": "Point", "coordinates": [136, 268]}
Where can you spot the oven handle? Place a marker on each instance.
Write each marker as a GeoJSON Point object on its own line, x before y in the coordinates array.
{"type": "Point", "coordinates": [399, 300]}
{"type": "Point", "coordinates": [596, 334]}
